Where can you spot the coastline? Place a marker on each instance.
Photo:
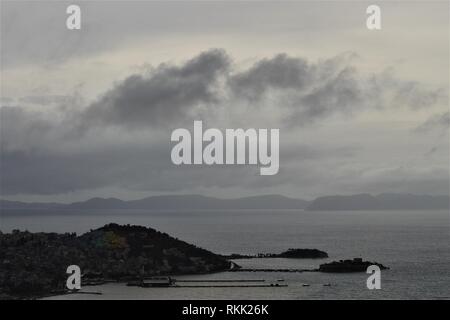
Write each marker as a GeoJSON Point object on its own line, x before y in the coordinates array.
{"type": "Point", "coordinates": [122, 255]}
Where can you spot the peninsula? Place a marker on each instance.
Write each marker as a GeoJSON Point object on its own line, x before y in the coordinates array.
{"type": "Point", "coordinates": [34, 264]}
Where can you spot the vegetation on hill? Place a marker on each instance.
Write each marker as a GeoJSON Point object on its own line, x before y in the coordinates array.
{"type": "Point", "coordinates": [35, 264]}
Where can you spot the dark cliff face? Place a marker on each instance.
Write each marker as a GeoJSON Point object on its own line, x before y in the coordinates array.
{"type": "Point", "coordinates": [36, 263]}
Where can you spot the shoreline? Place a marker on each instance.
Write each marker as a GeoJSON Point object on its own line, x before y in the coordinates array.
{"type": "Point", "coordinates": [118, 254]}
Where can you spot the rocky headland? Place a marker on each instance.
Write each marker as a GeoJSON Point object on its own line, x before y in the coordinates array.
{"type": "Point", "coordinates": [35, 264]}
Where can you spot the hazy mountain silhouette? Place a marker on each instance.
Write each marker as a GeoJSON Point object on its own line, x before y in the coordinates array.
{"type": "Point", "coordinates": [384, 201]}
{"type": "Point", "coordinates": [172, 202]}
{"type": "Point", "coordinates": [364, 201]}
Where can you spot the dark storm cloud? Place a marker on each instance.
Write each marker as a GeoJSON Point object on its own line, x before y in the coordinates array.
{"type": "Point", "coordinates": [310, 91]}
{"type": "Point", "coordinates": [166, 94]}
{"type": "Point", "coordinates": [436, 122]}
{"type": "Point", "coordinates": [43, 152]}
{"type": "Point", "coordinates": [302, 90]}
{"type": "Point", "coordinates": [338, 94]}
{"type": "Point", "coordinates": [414, 95]}
{"type": "Point", "coordinates": [306, 90]}
{"type": "Point", "coordinates": [280, 72]}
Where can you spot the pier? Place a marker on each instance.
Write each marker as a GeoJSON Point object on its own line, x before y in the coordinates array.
{"type": "Point", "coordinates": [230, 283]}
{"type": "Point", "coordinates": [227, 280]}
{"type": "Point", "coordinates": [271, 270]}
{"type": "Point", "coordinates": [232, 286]}
{"type": "Point", "coordinates": [212, 283]}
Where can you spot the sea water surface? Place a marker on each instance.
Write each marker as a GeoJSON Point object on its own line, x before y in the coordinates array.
{"type": "Point", "coordinates": [413, 244]}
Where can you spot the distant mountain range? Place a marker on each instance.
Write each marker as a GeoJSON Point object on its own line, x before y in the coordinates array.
{"type": "Point", "coordinates": [385, 201]}
{"type": "Point", "coordinates": [170, 202]}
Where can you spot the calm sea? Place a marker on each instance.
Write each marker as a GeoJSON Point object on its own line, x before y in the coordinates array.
{"type": "Point", "coordinates": [414, 244]}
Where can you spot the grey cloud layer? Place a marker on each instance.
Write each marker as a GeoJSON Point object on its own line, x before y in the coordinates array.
{"type": "Point", "coordinates": [65, 149]}
{"type": "Point", "coordinates": [304, 91]}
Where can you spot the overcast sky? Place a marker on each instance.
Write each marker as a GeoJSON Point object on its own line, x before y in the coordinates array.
{"type": "Point", "coordinates": [89, 112]}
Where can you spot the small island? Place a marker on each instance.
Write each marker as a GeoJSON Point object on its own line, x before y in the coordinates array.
{"type": "Point", "coordinates": [355, 265]}
{"type": "Point", "coordinates": [290, 253]}
{"type": "Point", "coordinates": [303, 254]}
